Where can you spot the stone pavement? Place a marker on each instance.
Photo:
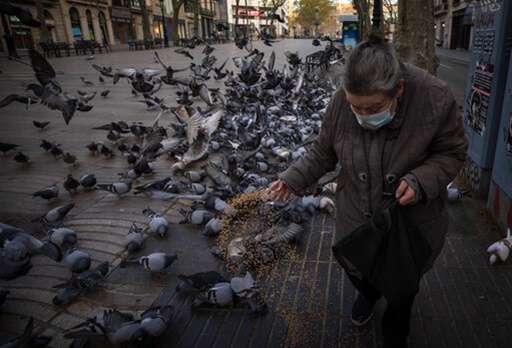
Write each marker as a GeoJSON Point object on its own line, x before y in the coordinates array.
{"type": "Point", "coordinates": [463, 301]}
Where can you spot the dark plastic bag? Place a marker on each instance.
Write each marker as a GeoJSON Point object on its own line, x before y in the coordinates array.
{"type": "Point", "coordinates": [391, 252]}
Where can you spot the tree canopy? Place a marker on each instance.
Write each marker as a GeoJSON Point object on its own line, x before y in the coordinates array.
{"type": "Point", "coordinates": [306, 12]}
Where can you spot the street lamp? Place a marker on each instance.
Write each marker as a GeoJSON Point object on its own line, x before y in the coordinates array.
{"type": "Point", "coordinates": [164, 29]}
{"type": "Point", "coordinates": [377, 14]}
{"type": "Point", "coordinates": [316, 22]}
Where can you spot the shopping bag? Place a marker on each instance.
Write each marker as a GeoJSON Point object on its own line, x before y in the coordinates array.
{"type": "Point", "coordinates": [390, 251]}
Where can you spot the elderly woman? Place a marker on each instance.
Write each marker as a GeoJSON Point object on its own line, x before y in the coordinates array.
{"type": "Point", "coordinates": [396, 131]}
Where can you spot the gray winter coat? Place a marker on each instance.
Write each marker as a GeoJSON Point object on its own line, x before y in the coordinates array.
{"type": "Point", "coordinates": [426, 138]}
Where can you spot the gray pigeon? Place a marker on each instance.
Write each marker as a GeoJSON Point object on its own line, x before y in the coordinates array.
{"type": "Point", "coordinates": [213, 227]}
{"type": "Point", "coordinates": [133, 240]}
{"type": "Point", "coordinates": [16, 248]}
{"type": "Point", "coordinates": [196, 217]}
{"type": "Point", "coordinates": [47, 192]}
{"type": "Point", "coordinates": [118, 188]}
{"type": "Point", "coordinates": [78, 261]}
{"type": "Point", "coordinates": [62, 236]}
{"type": "Point", "coordinates": [157, 223]}
{"type": "Point", "coordinates": [155, 321]}
{"type": "Point", "coordinates": [84, 281]}
{"type": "Point", "coordinates": [88, 181]}
{"type": "Point", "coordinates": [219, 294]}
{"type": "Point", "coordinates": [56, 215]}
{"type": "Point", "coordinates": [155, 262]}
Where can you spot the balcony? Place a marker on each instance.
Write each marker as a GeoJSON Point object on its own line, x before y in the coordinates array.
{"type": "Point", "coordinates": [207, 12]}
{"type": "Point", "coordinates": [440, 9]}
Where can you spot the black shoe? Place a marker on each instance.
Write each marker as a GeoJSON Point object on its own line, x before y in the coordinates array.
{"type": "Point", "coordinates": [362, 311]}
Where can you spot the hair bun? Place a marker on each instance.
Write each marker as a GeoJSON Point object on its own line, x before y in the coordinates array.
{"type": "Point", "coordinates": [376, 36]}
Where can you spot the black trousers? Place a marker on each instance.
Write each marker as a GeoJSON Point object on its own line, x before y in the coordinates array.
{"type": "Point", "coordinates": [397, 317]}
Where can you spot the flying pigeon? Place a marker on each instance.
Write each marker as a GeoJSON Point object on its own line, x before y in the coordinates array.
{"type": "Point", "coordinates": [499, 251]}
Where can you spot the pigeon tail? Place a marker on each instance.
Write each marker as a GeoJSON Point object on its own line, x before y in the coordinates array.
{"type": "Point", "coordinates": [51, 250]}
{"type": "Point", "coordinates": [69, 110]}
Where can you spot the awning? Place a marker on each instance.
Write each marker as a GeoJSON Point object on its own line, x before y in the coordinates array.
{"type": "Point", "coordinates": [469, 15]}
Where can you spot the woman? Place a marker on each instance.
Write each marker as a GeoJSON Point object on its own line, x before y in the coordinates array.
{"type": "Point", "coordinates": [395, 129]}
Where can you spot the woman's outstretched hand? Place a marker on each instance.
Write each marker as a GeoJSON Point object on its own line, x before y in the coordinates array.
{"type": "Point", "coordinates": [278, 191]}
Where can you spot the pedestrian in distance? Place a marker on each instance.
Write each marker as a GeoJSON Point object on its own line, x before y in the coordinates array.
{"type": "Point", "coordinates": [396, 131]}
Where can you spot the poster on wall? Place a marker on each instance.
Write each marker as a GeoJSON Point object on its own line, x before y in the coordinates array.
{"type": "Point", "coordinates": [476, 114]}
{"type": "Point", "coordinates": [509, 137]}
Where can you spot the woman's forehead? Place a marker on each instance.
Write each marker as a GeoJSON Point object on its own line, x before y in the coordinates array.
{"type": "Point", "coordinates": [366, 100]}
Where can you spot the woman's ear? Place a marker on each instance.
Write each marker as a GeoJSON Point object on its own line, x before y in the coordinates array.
{"type": "Point", "coordinates": [400, 90]}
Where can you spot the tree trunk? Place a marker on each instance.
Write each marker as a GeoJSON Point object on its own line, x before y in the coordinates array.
{"type": "Point", "coordinates": [145, 20]}
{"type": "Point", "coordinates": [196, 18]}
{"type": "Point", "coordinates": [412, 44]}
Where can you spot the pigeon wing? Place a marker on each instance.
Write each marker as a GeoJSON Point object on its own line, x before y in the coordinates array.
{"type": "Point", "coordinates": [44, 71]}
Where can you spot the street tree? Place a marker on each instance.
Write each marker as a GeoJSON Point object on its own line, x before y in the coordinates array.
{"type": "Point", "coordinates": [415, 45]}
{"type": "Point", "coordinates": [146, 31]}
{"type": "Point", "coordinates": [176, 5]}
{"type": "Point", "coordinates": [307, 10]}
{"type": "Point", "coordinates": [364, 11]}
{"type": "Point", "coordinates": [273, 5]}
{"type": "Point", "coordinates": [43, 29]}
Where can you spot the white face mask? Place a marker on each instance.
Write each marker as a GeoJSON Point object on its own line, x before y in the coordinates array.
{"type": "Point", "coordinates": [374, 121]}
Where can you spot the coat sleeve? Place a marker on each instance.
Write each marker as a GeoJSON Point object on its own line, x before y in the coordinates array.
{"type": "Point", "coordinates": [447, 151]}
{"type": "Point", "coordinates": [321, 157]}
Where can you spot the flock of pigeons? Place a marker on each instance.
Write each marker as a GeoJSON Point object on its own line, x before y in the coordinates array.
{"type": "Point", "coordinates": [222, 143]}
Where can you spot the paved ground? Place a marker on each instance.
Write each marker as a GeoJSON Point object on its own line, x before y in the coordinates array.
{"type": "Point", "coordinates": [463, 301]}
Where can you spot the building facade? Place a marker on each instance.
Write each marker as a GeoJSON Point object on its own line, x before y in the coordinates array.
{"type": "Point", "coordinates": [115, 22]}
{"type": "Point", "coordinates": [454, 22]}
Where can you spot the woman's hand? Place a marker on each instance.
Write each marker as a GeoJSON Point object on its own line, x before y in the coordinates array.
{"type": "Point", "coordinates": [406, 193]}
{"type": "Point", "coordinates": [278, 191]}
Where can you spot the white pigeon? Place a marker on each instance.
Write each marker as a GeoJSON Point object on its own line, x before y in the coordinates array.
{"type": "Point", "coordinates": [499, 251]}
{"type": "Point", "coordinates": [455, 193]}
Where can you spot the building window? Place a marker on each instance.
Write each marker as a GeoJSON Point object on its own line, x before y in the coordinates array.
{"type": "Point", "coordinates": [89, 24]}
{"type": "Point", "coordinates": [75, 24]}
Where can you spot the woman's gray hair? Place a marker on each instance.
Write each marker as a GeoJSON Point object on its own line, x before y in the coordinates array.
{"type": "Point", "coordinates": [372, 68]}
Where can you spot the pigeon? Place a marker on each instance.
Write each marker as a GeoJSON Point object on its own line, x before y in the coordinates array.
{"type": "Point", "coordinates": [16, 248]}
{"type": "Point", "coordinates": [84, 281]}
{"type": "Point", "coordinates": [78, 261]}
{"type": "Point", "coordinates": [47, 192]}
{"type": "Point", "coordinates": [153, 185]}
{"type": "Point", "coordinates": [46, 145]}
{"type": "Point", "coordinates": [154, 322]}
{"type": "Point", "coordinates": [27, 338]}
{"type": "Point", "coordinates": [213, 227]}
{"type": "Point", "coordinates": [86, 82]}
{"type": "Point", "coordinates": [120, 331]}
{"type": "Point", "coordinates": [454, 194]}
{"type": "Point", "coordinates": [155, 262]}
{"type": "Point", "coordinates": [105, 93]}
{"type": "Point", "coordinates": [24, 99]}
{"type": "Point", "coordinates": [118, 188]}
{"type": "Point", "coordinates": [95, 327]}
{"type": "Point", "coordinates": [62, 236]}
{"type": "Point", "coordinates": [196, 217]}
{"type": "Point", "coordinates": [220, 294]}
{"type": "Point", "coordinates": [133, 240]}
{"type": "Point", "coordinates": [498, 252]}
{"type": "Point", "coordinates": [41, 125]}
{"type": "Point", "coordinates": [157, 223]}
{"type": "Point", "coordinates": [105, 71]}
{"type": "Point", "coordinates": [199, 282]}
{"type": "Point", "coordinates": [185, 52]}
{"type": "Point", "coordinates": [20, 157]}
{"type": "Point", "coordinates": [69, 158]}
{"type": "Point", "coordinates": [55, 215]}
{"type": "Point", "coordinates": [88, 181]}
{"type": "Point", "coordinates": [49, 89]}
{"type": "Point", "coordinates": [245, 289]}
{"type": "Point", "coordinates": [70, 184]}
{"type": "Point", "coordinates": [6, 147]}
